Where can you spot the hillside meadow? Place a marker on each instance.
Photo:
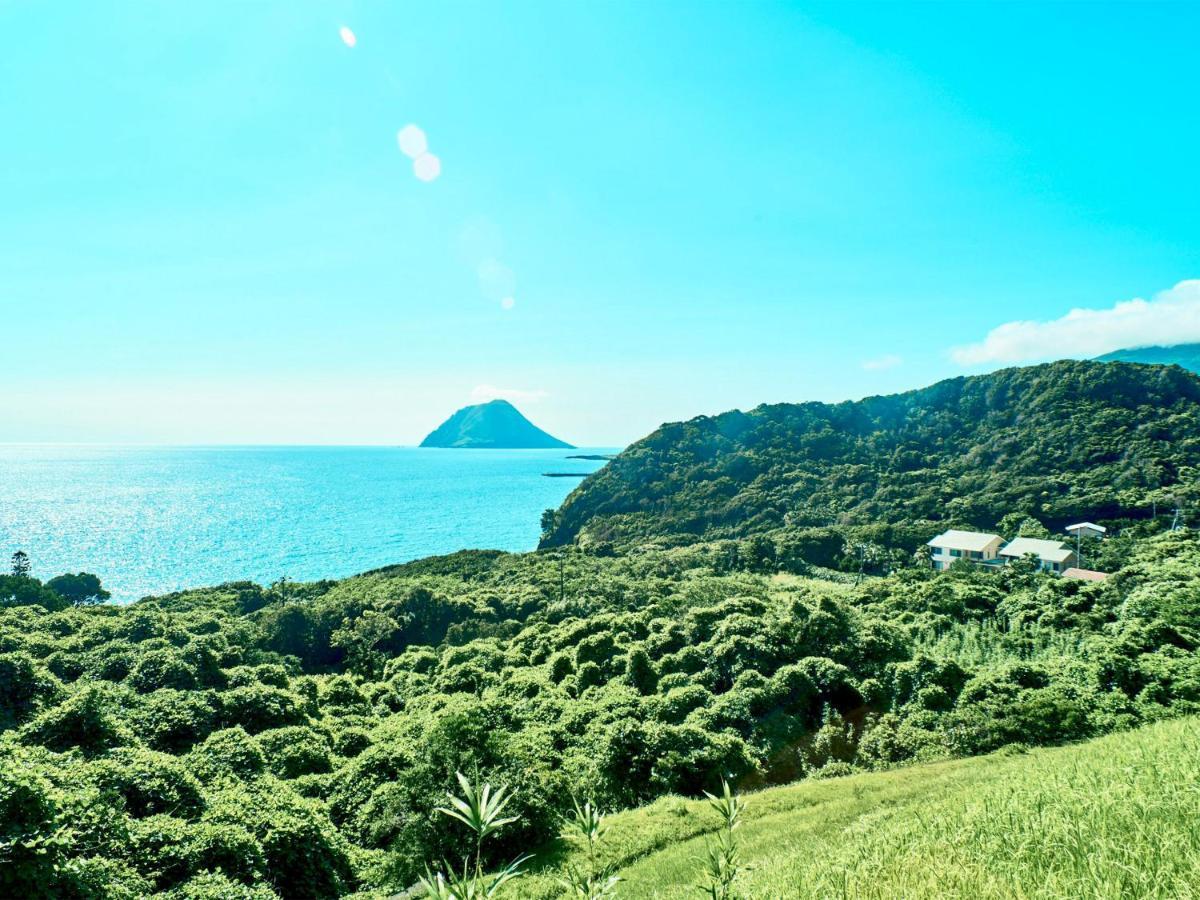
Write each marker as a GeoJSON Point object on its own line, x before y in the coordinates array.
{"type": "Point", "coordinates": [1113, 818]}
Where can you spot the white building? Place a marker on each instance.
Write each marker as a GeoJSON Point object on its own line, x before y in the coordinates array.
{"type": "Point", "coordinates": [975, 546]}
{"type": "Point", "coordinates": [1053, 556]}
{"type": "Point", "coordinates": [1086, 530]}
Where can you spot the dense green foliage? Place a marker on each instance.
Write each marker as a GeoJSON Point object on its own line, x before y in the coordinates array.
{"type": "Point", "coordinates": [298, 739]}
{"type": "Point", "coordinates": [1063, 441]}
{"type": "Point", "coordinates": [735, 597]}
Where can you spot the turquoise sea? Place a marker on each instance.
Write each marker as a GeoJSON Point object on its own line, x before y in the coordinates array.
{"type": "Point", "coordinates": [149, 520]}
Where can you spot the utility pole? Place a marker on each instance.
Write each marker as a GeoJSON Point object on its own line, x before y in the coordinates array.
{"type": "Point", "coordinates": [1175, 521]}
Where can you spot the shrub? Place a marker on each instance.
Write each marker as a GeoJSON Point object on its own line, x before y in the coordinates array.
{"type": "Point", "coordinates": [31, 845]}
{"type": "Point", "coordinates": [295, 751]}
{"type": "Point", "coordinates": [173, 721]}
{"type": "Point", "coordinates": [157, 846]}
{"type": "Point", "coordinates": [214, 886]}
{"type": "Point", "coordinates": [85, 877]}
{"type": "Point", "coordinates": [229, 753]}
{"type": "Point", "coordinates": [350, 742]}
{"type": "Point", "coordinates": [157, 669]}
{"type": "Point", "coordinates": [149, 782]}
{"type": "Point", "coordinates": [88, 720]}
{"type": "Point", "coordinates": [305, 856]}
{"type": "Point", "coordinates": [226, 848]}
{"type": "Point", "coordinates": [25, 688]}
{"type": "Point", "coordinates": [259, 708]}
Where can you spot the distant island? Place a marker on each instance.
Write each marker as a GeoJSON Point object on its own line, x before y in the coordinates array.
{"type": "Point", "coordinates": [496, 425]}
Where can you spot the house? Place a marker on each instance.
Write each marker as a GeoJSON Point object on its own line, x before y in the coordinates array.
{"type": "Point", "coordinates": [1086, 530]}
{"type": "Point", "coordinates": [1053, 556]}
{"type": "Point", "coordinates": [975, 546]}
{"type": "Point", "coordinates": [1084, 574]}
{"type": "Point", "coordinates": [1082, 530]}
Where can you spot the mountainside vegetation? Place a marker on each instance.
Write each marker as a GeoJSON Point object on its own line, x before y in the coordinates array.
{"type": "Point", "coordinates": [496, 425]}
{"type": "Point", "coordinates": [762, 619]}
{"type": "Point", "coordinates": [1059, 442]}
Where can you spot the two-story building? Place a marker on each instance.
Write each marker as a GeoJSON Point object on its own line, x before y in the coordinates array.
{"type": "Point", "coordinates": [986, 549]}
{"type": "Point", "coordinates": [974, 546]}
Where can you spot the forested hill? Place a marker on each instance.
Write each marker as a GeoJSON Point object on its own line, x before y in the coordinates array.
{"type": "Point", "coordinates": [1058, 441]}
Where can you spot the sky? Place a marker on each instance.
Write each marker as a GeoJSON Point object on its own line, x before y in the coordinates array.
{"type": "Point", "coordinates": [338, 222]}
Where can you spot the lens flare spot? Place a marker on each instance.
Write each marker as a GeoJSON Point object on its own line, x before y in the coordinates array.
{"type": "Point", "coordinates": [508, 303]}
{"type": "Point", "coordinates": [412, 141]}
{"type": "Point", "coordinates": [348, 37]}
{"type": "Point", "coordinates": [427, 167]}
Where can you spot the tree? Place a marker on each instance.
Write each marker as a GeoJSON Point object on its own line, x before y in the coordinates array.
{"type": "Point", "coordinates": [1020, 524]}
{"type": "Point", "coordinates": [20, 564]}
{"type": "Point", "coordinates": [83, 589]}
{"type": "Point", "coordinates": [21, 590]}
{"type": "Point", "coordinates": [640, 673]}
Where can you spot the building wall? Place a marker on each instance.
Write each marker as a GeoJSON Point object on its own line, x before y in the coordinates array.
{"type": "Point", "coordinates": [943, 557]}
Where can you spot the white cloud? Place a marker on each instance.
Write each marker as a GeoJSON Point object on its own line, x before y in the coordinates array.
{"type": "Point", "coordinates": [1171, 317]}
{"type": "Point", "coordinates": [482, 393]}
{"type": "Point", "coordinates": [890, 361]}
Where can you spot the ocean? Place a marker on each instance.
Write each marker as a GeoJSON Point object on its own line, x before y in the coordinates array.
{"type": "Point", "coordinates": [150, 520]}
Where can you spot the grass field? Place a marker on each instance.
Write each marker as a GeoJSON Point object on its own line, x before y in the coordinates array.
{"type": "Point", "coordinates": [1117, 817]}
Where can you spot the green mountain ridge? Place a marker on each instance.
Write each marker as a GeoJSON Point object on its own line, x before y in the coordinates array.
{"type": "Point", "coordinates": [1057, 441]}
{"type": "Point", "coordinates": [1186, 356]}
{"type": "Point", "coordinates": [496, 425]}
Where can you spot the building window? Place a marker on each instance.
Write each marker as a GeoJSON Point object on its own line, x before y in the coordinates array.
{"type": "Point", "coordinates": [975, 554]}
{"type": "Point", "coordinates": [956, 553]}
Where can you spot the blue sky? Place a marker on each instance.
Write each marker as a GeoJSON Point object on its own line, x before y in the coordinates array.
{"type": "Point", "coordinates": [208, 233]}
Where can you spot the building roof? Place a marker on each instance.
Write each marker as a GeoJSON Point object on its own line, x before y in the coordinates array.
{"type": "Point", "coordinates": [964, 540]}
{"type": "Point", "coordinates": [1091, 525]}
{"type": "Point", "coordinates": [1051, 551]}
{"type": "Point", "coordinates": [1084, 574]}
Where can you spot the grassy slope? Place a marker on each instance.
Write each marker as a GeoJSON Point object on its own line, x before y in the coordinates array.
{"type": "Point", "coordinates": [1115, 817]}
